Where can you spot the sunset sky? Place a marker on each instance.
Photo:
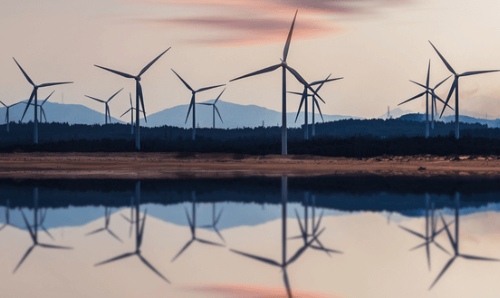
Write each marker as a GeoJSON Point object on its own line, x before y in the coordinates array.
{"type": "Point", "coordinates": [377, 45]}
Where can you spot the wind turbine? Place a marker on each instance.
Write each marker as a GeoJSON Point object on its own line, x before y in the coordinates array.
{"type": "Point", "coordinates": [215, 221]}
{"type": "Point", "coordinates": [284, 66]}
{"type": "Point", "coordinates": [454, 241]}
{"type": "Point", "coordinates": [192, 104]}
{"type": "Point", "coordinates": [34, 96]}
{"type": "Point", "coordinates": [454, 88]}
{"type": "Point", "coordinates": [43, 117]}
{"type": "Point", "coordinates": [139, 99]}
{"type": "Point", "coordinates": [107, 113]}
{"type": "Point", "coordinates": [305, 95]}
{"type": "Point", "coordinates": [192, 227]}
{"type": "Point", "coordinates": [7, 119]}
{"type": "Point", "coordinates": [285, 261]}
{"type": "Point", "coordinates": [33, 231]}
{"type": "Point", "coordinates": [214, 108]}
{"type": "Point", "coordinates": [131, 111]}
{"type": "Point", "coordinates": [107, 219]}
{"type": "Point", "coordinates": [428, 91]}
{"type": "Point", "coordinates": [139, 233]}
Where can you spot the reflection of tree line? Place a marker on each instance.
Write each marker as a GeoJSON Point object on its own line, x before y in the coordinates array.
{"type": "Point", "coordinates": [309, 233]}
{"type": "Point", "coordinates": [431, 232]}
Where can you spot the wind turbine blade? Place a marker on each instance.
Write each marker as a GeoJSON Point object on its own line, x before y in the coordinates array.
{"type": "Point", "coordinates": [476, 258]}
{"type": "Point", "coordinates": [220, 235]}
{"type": "Point", "coordinates": [319, 109]}
{"type": "Point", "coordinates": [441, 248]}
{"type": "Point", "coordinates": [217, 99]}
{"type": "Point", "coordinates": [43, 102]}
{"type": "Point", "coordinates": [43, 114]}
{"type": "Point", "coordinates": [440, 83]}
{"type": "Point", "coordinates": [28, 227]}
{"type": "Point", "coordinates": [444, 60]}
{"type": "Point", "coordinates": [302, 231]}
{"type": "Point", "coordinates": [184, 82]}
{"type": "Point", "coordinates": [414, 97]}
{"type": "Point", "coordinates": [289, 38]}
{"type": "Point", "coordinates": [208, 88]}
{"type": "Point", "coordinates": [296, 93]}
{"type": "Point", "coordinates": [428, 74]}
{"type": "Point", "coordinates": [441, 100]}
{"type": "Point", "coordinates": [421, 85]}
{"type": "Point", "coordinates": [28, 104]}
{"type": "Point", "coordinates": [96, 99]}
{"type": "Point", "coordinates": [260, 259]}
{"type": "Point", "coordinates": [48, 233]}
{"type": "Point", "coordinates": [95, 231]}
{"type": "Point", "coordinates": [53, 84]}
{"type": "Point", "coordinates": [204, 104]}
{"type": "Point", "coordinates": [182, 249]}
{"type": "Point", "coordinates": [287, 283]}
{"type": "Point", "coordinates": [139, 89]}
{"type": "Point", "coordinates": [153, 268]}
{"type": "Point", "coordinates": [208, 242]}
{"type": "Point", "coordinates": [471, 73]}
{"type": "Point", "coordinates": [300, 106]}
{"type": "Point", "coordinates": [321, 81]}
{"type": "Point", "coordinates": [151, 63]}
{"type": "Point", "coordinates": [112, 96]}
{"type": "Point", "coordinates": [413, 232]}
{"type": "Point", "coordinates": [24, 73]}
{"type": "Point", "coordinates": [264, 70]}
{"type": "Point", "coordinates": [54, 246]}
{"type": "Point", "coordinates": [452, 242]}
{"type": "Point", "coordinates": [116, 72]}
{"type": "Point", "coordinates": [126, 112]}
{"type": "Point", "coordinates": [26, 254]}
{"type": "Point", "coordinates": [453, 88]}
{"type": "Point", "coordinates": [303, 82]}
{"type": "Point", "coordinates": [190, 107]}
{"type": "Point", "coordinates": [325, 81]}
{"type": "Point", "coordinates": [419, 246]}
{"type": "Point", "coordinates": [217, 110]}
{"type": "Point", "coordinates": [3, 104]}
{"type": "Point", "coordinates": [126, 255]}
{"type": "Point", "coordinates": [442, 272]}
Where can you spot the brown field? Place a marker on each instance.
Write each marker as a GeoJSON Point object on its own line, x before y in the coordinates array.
{"type": "Point", "coordinates": [183, 165]}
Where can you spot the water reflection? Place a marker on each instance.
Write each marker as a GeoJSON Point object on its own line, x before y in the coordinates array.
{"type": "Point", "coordinates": [215, 221]}
{"type": "Point", "coordinates": [7, 215]}
{"type": "Point", "coordinates": [139, 232]}
{"type": "Point", "coordinates": [107, 219]}
{"type": "Point", "coordinates": [455, 244]}
{"type": "Point", "coordinates": [33, 230]}
{"type": "Point", "coordinates": [192, 228]}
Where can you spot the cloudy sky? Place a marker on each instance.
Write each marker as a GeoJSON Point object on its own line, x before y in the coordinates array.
{"type": "Point", "coordinates": [377, 45]}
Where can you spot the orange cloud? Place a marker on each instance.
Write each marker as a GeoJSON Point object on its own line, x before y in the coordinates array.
{"type": "Point", "coordinates": [247, 291]}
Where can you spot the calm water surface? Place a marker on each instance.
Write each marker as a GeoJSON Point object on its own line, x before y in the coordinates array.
{"type": "Point", "coordinates": [250, 237]}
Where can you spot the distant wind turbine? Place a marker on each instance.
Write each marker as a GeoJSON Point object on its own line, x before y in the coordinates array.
{"type": "Point", "coordinates": [139, 99]}
{"type": "Point", "coordinates": [43, 116]}
{"type": "Point", "coordinates": [131, 111]}
{"type": "Point", "coordinates": [454, 88]}
{"type": "Point", "coordinates": [7, 119]}
{"type": "Point", "coordinates": [107, 113]}
{"type": "Point", "coordinates": [192, 103]}
{"type": "Point", "coordinates": [428, 91]}
{"type": "Point", "coordinates": [284, 66]}
{"type": "Point", "coordinates": [214, 108]}
{"type": "Point", "coordinates": [304, 100]}
{"type": "Point", "coordinates": [34, 96]}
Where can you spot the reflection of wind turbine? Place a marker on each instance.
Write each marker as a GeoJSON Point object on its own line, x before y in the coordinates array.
{"type": "Point", "coordinates": [215, 221]}
{"type": "Point", "coordinates": [431, 231]}
{"type": "Point", "coordinates": [107, 219]}
{"type": "Point", "coordinates": [7, 119]}
{"type": "Point", "coordinates": [192, 227]}
{"type": "Point", "coordinates": [304, 100]}
{"type": "Point", "coordinates": [454, 241]}
{"type": "Point", "coordinates": [7, 216]}
{"type": "Point", "coordinates": [139, 233]}
{"type": "Point", "coordinates": [428, 91]}
{"type": "Point", "coordinates": [454, 87]}
{"type": "Point", "coordinates": [284, 66]}
{"type": "Point", "coordinates": [33, 231]}
{"type": "Point", "coordinates": [214, 108]}
{"type": "Point", "coordinates": [34, 96]}
{"type": "Point", "coordinates": [131, 220]}
{"type": "Point", "coordinates": [139, 98]}
{"type": "Point", "coordinates": [131, 111]}
{"type": "Point", "coordinates": [107, 113]}
{"type": "Point", "coordinates": [285, 262]}
{"type": "Point", "coordinates": [192, 103]}
{"type": "Point", "coordinates": [316, 224]}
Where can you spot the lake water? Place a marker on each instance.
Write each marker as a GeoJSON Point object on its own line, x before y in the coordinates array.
{"type": "Point", "coordinates": [250, 237]}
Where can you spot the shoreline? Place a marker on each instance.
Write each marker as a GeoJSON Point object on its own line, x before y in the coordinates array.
{"type": "Point", "coordinates": [214, 165]}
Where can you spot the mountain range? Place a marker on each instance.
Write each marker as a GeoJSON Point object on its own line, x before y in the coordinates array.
{"type": "Point", "coordinates": [233, 115]}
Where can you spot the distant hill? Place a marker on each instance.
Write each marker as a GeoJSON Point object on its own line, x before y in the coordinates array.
{"type": "Point", "coordinates": [495, 123]}
{"type": "Point", "coordinates": [56, 112]}
{"type": "Point", "coordinates": [233, 115]}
